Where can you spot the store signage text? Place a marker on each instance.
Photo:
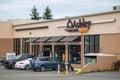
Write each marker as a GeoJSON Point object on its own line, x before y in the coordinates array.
{"type": "Point", "coordinates": [74, 26]}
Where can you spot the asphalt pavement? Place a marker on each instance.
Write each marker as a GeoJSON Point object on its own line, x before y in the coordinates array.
{"type": "Point", "coordinates": [52, 75]}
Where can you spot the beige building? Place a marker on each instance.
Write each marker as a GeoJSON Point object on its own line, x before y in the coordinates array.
{"type": "Point", "coordinates": [63, 39]}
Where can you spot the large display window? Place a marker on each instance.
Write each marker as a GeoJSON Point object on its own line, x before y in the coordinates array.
{"type": "Point", "coordinates": [36, 50]}
{"type": "Point", "coordinates": [17, 45]}
{"type": "Point", "coordinates": [25, 46]}
{"type": "Point", "coordinates": [74, 54]}
{"type": "Point", "coordinates": [91, 43]}
{"type": "Point", "coordinates": [59, 53]}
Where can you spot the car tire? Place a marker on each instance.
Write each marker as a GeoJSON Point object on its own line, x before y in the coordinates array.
{"type": "Point", "coordinates": [13, 66]}
{"type": "Point", "coordinates": [54, 68]}
{"type": "Point", "coordinates": [42, 68]}
{"type": "Point", "coordinates": [6, 67]}
{"type": "Point", "coordinates": [35, 69]}
{"type": "Point", "coordinates": [27, 67]}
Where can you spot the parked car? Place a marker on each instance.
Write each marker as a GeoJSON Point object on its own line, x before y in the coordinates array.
{"type": "Point", "coordinates": [24, 64]}
{"type": "Point", "coordinates": [43, 63]}
{"type": "Point", "coordinates": [2, 59]}
{"type": "Point", "coordinates": [10, 64]}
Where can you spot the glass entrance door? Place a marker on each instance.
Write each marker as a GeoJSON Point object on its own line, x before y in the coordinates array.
{"type": "Point", "coordinates": [59, 52]}
{"type": "Point", "coordinates": [47, 50]}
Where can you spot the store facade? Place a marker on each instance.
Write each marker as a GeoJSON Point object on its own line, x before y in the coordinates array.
{"type": "Point", "coordinates": [70, 39]}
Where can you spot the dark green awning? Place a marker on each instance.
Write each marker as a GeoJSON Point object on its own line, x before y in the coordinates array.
{"type": "Point", "coordinates": [43, 39]}
{"type": "Point", "coordinates": [31, 39]}
{"type": "Point", "coordinates": [55, 39]}
{"type": "Point", "coordinates": [70, 38]}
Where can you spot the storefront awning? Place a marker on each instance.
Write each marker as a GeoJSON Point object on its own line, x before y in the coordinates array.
{"type": "Point", "coordinates": [43, 39]}
{"type": "Point", "coordinates": [55, 39]}
{"type": "Point", "coordinates": [70, 38]}
{"type": "Point", "coordinates": [31, 39]}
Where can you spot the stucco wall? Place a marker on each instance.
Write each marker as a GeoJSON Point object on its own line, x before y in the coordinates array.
{"type": "Point", "coordinates": [6, 29]}
{"type": "Point", "coordinates": [55, 30]}
{"type": "Point", "coordinates": [103, 63]}
{"type": "Point", "coordinates": [110, 43]}
{"type": "Point", "coordinates": [6, 46]}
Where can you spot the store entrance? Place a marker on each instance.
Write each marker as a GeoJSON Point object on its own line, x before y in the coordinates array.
{"type": "Point", "coordinates": [59, 53]}
{"type": "Point", "coordinates": [47, 50]}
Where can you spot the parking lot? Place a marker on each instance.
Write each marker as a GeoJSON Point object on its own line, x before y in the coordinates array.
{"type": "Point", "coordinates": [52, 75]}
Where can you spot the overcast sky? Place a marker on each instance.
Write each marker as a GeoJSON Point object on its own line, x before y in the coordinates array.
{"type": "Point", "coordinates": [20, 9]}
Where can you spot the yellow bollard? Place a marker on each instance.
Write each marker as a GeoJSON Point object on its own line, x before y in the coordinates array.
{"type": "Point", "coordinates": [58, 69]}
{"type": "Point", "coordinates": [66, 69]}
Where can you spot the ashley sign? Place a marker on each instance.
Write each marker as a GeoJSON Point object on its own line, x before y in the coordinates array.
{"type": "Point", "coordinates": [74, 26]}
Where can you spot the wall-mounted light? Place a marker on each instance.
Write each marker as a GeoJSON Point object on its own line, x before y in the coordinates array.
{"type": "Point", "coordinates": [30, 33]}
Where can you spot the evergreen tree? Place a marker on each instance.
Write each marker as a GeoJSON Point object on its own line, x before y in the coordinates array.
{"type": "Point", "coordinates": [47, 15]}
{"type": "Point", "coordinates": [34, 15]}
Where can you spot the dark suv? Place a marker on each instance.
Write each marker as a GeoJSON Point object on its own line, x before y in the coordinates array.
{"type": "Point", "coordinates": [10, 64]}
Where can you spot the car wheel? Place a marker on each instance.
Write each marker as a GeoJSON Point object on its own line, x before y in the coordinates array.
{"type": "Point", "coordinates": [6, 67]}
{"type": "Point", "coordinates": [34, 69]}
{"type": "Point", "coordinates": [54, 69]}
{"type": "Point", "coordinates": [42, 68]}
{"type": "Point", "coordinates": [27, 67]}
{"type": "Point", "coordinates": [13, 66]}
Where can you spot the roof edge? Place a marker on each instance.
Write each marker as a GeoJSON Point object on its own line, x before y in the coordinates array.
{"type": "Point", "coordinates": [87, 15]}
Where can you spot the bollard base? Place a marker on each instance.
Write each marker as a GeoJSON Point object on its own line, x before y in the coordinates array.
{"type": "Point", "coordinates": [79, 71]}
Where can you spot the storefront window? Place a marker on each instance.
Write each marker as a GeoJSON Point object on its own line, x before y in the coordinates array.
{"type": "Point", "coordinates": [91, 59]}
{"type": "Point", "coordinates": [87, 48]}
{"type": "Point", "coordinates": [97, 43]}
{"type": "Point", "coordinates": [35, 49]}
{"type": "Point", "coordinates": [25, 46]}
{"type": "Point", "coordinates": [74, 54]}
{"type": "Point", "coordinates": [91, 43]}
{"type": "Point", "coordinates": [59, 53]}
{"type": "Point", "coordinates": [17, 45]}
{"type": "Point", "coordinates": [47, 50]}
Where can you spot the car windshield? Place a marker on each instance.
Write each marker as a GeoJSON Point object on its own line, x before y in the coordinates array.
{"type": "Point", "coordinates": [34, 58]}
